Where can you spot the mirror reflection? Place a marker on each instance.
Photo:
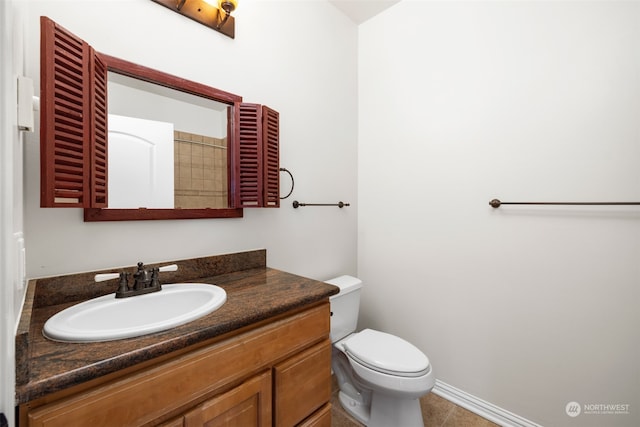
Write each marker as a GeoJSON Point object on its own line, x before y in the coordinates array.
{"type": "Point", "coordinates": [167, 148]}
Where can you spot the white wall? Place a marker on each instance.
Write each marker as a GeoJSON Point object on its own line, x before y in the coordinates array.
{"type": "Point", "coordinates": [11, 211]}
{"type": "Point", "coordinates": [528, 308]}
{"type": "Point", "coordinates": [283, 56]}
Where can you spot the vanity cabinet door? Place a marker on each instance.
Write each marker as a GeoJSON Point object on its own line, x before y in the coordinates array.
{"type": "Point", "coordinates": [176, 422]}
{"type": "Point", "coordinates": [247, 405]}
{"type": "Point", "coordinates": [320, 418]}
{"type": "Point", "coordinates": [302, 384]}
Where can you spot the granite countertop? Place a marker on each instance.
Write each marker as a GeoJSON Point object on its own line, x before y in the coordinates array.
{"type": "Point", "coordinates": [254, 293]}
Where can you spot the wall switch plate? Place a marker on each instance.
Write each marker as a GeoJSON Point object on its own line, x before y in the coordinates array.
{"type": "Point", "coordinates": [20, 258]}
{"type": "Point", "coordinates": [25, 104]}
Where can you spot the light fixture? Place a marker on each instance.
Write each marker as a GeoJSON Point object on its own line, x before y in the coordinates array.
{"type": "Point", "coordinates": [215, 14]}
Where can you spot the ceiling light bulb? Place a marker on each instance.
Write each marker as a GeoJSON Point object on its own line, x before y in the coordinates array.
{"type": "Point", "coordinates": [227, 5]}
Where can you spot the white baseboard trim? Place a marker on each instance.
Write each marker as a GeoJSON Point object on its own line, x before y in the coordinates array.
{"type": "Point", "coordinates": [478, 406]}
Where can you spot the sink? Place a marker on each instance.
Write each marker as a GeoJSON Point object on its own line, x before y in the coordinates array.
{"type": "Point", "coordinates": [108, 318]}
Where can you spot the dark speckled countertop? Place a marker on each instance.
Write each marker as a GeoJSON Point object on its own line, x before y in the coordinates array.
{"type": "Point", "coordinates": [254, 293]}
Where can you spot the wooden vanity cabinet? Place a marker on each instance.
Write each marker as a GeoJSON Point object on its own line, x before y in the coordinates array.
{"type": "Point", "coordinates": [276, 374]}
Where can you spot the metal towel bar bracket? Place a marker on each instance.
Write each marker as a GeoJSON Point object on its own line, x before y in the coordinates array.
{"type": "Point", "coordinates": [297, 204]}
{"type": "Point", "coordinates": [495, 203]}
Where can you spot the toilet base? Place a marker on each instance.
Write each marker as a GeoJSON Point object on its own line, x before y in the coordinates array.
{"type": "Point", "coordinates": [384, 411]}
{"type": "Point", "coordinates": [390, 411]}
{"type": "Point", "coordinates": [357, 409]}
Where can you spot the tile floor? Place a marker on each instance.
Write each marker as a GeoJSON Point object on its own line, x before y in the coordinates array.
{"type": "Point", "coordinates": [436, 412]}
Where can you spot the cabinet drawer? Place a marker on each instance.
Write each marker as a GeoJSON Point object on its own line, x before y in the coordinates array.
{"type": "Point", "coordinates": [302, 384]}
{"type": "Point", "coordinates": [247, 405]}
{"type": "Point", "coordinates": [320, 418]}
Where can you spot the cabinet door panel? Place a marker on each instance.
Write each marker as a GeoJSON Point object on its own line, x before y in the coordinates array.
{"type": "Point", "coordinates": [321, 418]}
{"type": "Point", "coordinates": [247, 405]}
{"type": "Point", "coordinates": [302, 384]}
{"type": "Point", "coordinates": [176, 422]}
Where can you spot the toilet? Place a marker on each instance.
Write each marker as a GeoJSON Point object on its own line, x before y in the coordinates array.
{"type": "Point", "coordinates": [381, 376]}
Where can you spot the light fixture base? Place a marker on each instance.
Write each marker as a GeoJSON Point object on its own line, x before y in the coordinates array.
{"type": "Point", "coordinates": [202, 12]}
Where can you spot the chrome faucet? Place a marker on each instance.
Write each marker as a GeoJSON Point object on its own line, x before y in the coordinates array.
{"type": "Point", "coordinates": [145, 281]}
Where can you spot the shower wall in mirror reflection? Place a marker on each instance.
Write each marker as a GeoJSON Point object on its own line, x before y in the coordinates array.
{"type": "Point", "coordinates": [198, 155]}
{"type": "Point", "coordinates": [200, 170]}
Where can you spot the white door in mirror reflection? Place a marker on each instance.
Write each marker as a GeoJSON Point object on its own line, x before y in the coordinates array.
{"type": "Point", "coordinates": [140, 163]}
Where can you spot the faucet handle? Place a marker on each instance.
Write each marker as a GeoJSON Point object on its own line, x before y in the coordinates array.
{"type": "Point", "coordinates": [106, 276]}
{"type": "Point", "coordinates": [110, 276]}
{"type": "Point", "coordinates": [172, 267]}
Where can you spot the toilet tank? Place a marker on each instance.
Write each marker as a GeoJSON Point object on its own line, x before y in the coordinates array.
{"type": "Point", "coordinates": [344, 306]}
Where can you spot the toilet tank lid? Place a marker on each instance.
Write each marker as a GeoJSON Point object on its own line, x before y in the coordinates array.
{"type": "Point", "coordinates": [346, 283]}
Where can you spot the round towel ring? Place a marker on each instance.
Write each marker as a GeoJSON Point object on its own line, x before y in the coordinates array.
{"type": "Point", "coordinates": [292, 182]}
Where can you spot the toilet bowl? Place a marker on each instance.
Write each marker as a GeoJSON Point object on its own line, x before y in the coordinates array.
{"type": "Point", "coordinates": [381, 376]}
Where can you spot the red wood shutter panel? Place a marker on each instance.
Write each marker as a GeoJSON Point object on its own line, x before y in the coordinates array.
{"type": "Point", "coordinates": [73, 121]}
{"type": "Point", "coordinates": [249, 156]}
{"type": "Point", "coordinates": [271, 157]}
{"type": "Point", "coordinates": [258, 157]}
{"type": "Point", "coordinates": [64, 124]}
{"type": "Point", "coordinates": [99, 146]}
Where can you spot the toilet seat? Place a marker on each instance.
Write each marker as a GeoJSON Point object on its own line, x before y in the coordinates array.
{"type": "Point", "coordinates": [386, 353]}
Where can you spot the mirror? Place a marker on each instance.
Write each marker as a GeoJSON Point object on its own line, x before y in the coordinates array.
{"type": "Point", "coordinates": [180, 149]}
{"type": "Point", "coordinates": [171, 147]}
{"type": "Point", "coordinates": [167, 149]}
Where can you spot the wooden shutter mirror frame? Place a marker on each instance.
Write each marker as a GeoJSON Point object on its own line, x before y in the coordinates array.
{"type": "Point", "coordinates": [64, 126]}
{"type": "Point", "coordinates": [74, 129]}
{"type": "Point", "coordinates": [271, 157]}
{"type": "Point", "coordinates": [258, 156]}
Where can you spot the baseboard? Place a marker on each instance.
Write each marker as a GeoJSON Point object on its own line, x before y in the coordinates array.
{"type": "Point", "coordinates": [478, 406]}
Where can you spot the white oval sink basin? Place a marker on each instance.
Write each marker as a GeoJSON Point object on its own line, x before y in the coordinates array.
{"type": "Point", "coordinates": [109, 318]}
